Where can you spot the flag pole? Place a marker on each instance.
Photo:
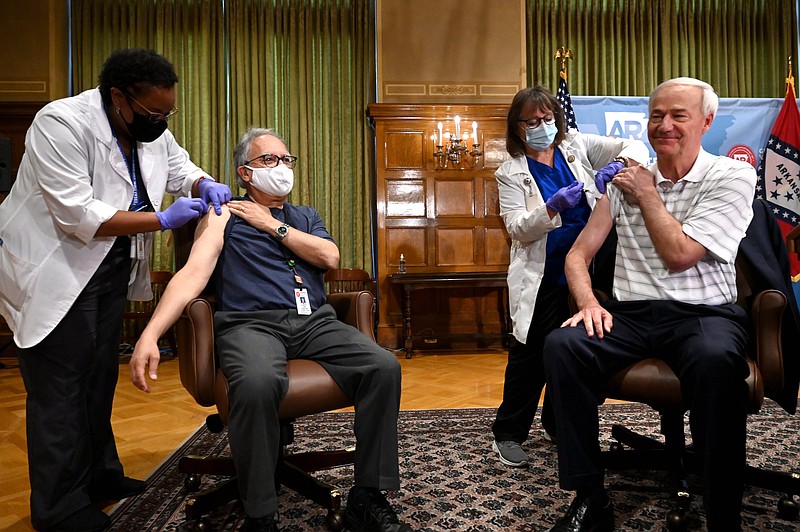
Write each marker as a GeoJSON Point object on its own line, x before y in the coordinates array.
{"type": "Point", "coordinates": [563, 54]}
{"type": "Point", "coordinates": [789, 76]}
{"type": "Point", "coordinates": [562, 95]}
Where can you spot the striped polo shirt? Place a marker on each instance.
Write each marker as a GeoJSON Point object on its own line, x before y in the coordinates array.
{"type": "Point", "coordinates": [713, 203]}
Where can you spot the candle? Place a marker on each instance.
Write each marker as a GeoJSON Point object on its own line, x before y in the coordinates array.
{"type": "Point", "coordinates": [439, 138]}
{"type": "Point", "coordinates": [458, 126]}
{"type": "Point", "coordinates": [475, 133]}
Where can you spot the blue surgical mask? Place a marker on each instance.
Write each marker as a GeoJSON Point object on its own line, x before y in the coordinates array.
{"type": "Point", "coordinates": [541, 137]}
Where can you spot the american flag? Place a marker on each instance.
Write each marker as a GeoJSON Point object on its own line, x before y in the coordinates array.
{"type": "Point", "coordinates": [566, 101]}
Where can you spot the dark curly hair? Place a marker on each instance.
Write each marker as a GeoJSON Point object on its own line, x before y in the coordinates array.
{"type": "Point", "coordinates": [135, 70]}
{"type": "Point", "coordinates": [541, 98]}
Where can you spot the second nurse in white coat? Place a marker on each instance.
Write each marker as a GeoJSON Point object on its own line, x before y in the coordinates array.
{"type": "Point", "coordinates": [547, 190]}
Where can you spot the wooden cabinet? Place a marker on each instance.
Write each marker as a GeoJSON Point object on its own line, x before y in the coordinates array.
{"type": "Point", "coordinates": [15, 119]}
{"type": "Point", "coordinates": [440, 220]}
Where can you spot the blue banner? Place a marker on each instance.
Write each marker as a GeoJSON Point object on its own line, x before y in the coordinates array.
{"type": "Point", "coordinates": [740, 129]}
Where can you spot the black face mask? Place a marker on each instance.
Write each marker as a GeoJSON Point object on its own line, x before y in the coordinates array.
{"type": "Point", "coordinates": [143, 130]}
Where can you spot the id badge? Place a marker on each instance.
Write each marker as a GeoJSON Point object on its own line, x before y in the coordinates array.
{"type": "Point", "coordinates": [303, 304]}
{"type": "Point", "coordinates": [529, 203]}
{"type": "Point", "coordinates": [137, 247]}
{"type": "Point", "coordinates": [140, 255]}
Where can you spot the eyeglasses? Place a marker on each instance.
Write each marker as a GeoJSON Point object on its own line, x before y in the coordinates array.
{"type": "Point", "coordinates": [534, 122]}
{"type": "Point", "coordinates": [271, 161]}
{"type": "Point", "coordinates": [154, 118]}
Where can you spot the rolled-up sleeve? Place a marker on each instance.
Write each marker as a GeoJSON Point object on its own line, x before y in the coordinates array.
{"type": "Point", "coordinates": [60, 162]}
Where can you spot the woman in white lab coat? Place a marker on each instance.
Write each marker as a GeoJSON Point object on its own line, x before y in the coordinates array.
{"type": "Point", "coordinates": [75, 235]}
{"type": "Point", "coordinates": [547, 190]}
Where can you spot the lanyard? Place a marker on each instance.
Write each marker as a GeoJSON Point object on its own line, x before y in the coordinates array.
{"type": "Point", "coordinates": [297, 278]}
{"type": "Point", "coordinates": [290, 261]}
{"type": "Point", "coordinates": [292, 265]}
{"type": "Point", "coordinates": [131, 172]}
{"type": "Point", "coordinates": [131, 166]}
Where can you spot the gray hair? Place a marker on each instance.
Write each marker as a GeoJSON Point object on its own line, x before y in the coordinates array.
{"type": "Point", "coordinates": [710, 98]}
{"type": "Point", "coordinates": [240, 154]}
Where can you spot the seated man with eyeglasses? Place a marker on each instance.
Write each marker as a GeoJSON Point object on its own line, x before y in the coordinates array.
{"type": "Point", "coordinates": [267, 262]}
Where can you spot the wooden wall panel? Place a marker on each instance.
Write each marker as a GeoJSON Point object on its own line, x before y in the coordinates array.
{"type": "Point", "coordinates": [497, 246]}
{"type": "Point", "coordinates": [450, 50]}
{"type": "Point", "coordinates": [405, 199]}
{"type": "Point", "coordinates": [455, 247]}
{"type": "Point", "coordinates": [412, 243]}
{"type": "Point", "coordinates": [454, 198]}
{"type": "Point", "coordinates": [441, 220]}
{"type": "Point", "coordinates": [15, 119]}
{"type": "Point", "coordinates": [404, 149]}
{"type": "Point", "coordinates": [34, 50]}
{"type": "Point", "coordinates": [491, 203]}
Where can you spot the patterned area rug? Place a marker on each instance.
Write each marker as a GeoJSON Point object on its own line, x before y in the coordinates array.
{"type": "Point", "coordinates": [451, 479]}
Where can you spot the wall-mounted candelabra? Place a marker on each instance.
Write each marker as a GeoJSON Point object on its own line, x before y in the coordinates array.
{"type": "Point", "coordinates": [451, 149]}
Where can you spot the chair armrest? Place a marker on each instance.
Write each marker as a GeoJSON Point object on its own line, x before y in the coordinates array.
{"type": "Point", "coordinates": [196, 362]}
{"type": "Point", "coordinates": [767, 313]}
{"type": "Point", "coordinates": [356, 309]}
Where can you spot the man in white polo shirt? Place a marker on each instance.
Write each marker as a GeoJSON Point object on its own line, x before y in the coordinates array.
{"type": "Point", "coordinates": [679, 224]}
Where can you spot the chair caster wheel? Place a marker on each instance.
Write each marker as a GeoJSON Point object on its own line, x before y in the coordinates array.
{"type": "Point", "coordinates": [676, 521]}
{"type": "Point", "coordinates": [200, 525]}
{"type": "Point", "coordinates": [616, 447]}
{"type": "Point", "coordinates": [192, 482]}
{"type": "Point", "coordinates": [334, 521]}
{"type": "Point", "coordinates": [788, 508]}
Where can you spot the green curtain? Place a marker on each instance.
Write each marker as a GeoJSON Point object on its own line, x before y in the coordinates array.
{"type": "Point", "coordinates": [307, 69]}
{"type": "Point", "coordinates": [627, 47]}
{"type": "Point", "coordinates": [303, 67]}
{"type": "Point", "coordinates": [188, 33]}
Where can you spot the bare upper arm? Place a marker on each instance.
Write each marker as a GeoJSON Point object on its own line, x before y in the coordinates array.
{"type": "Point", "coordinates": [208, 241]}
{"type": "Point", "coordinates": [592, 237]}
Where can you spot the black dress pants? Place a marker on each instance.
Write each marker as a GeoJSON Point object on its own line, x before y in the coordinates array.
{"type": "Point", "coordinates": [70, 378]}
{"type": "Point", "coordinates": [253, 349]}
{"type": "Point", "coordinates": [703, 344]}
{"type": "Point", "coordinates": [524, 377]}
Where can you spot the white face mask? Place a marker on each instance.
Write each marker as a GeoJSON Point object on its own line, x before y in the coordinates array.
{"type": "Point", "coordinates": [276, 181]}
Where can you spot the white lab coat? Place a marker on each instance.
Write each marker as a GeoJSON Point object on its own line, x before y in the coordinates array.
{"type": "Point", "coordinates": [527, 222]}
{"type": "Point", "coordinates": [73, 178]}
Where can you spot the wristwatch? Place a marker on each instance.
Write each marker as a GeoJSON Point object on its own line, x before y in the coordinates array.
{"type": "Point", "coordinates": [282, 231]}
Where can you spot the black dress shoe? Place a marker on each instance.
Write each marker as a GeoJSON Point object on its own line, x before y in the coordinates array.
{"type": "Point", "coordinates": [587, 514]}
{"type": "Point", "coordinates": [368, 511]}
{"type": "Point", "coordinates": [117, 489]}
{"type": "Point", "coordinates": [259, 524]}
{"type": "Point", "coordinates": [87, 519]}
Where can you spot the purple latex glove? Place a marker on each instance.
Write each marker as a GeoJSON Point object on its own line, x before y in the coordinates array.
{"type": "Point", "coordinates": [606, 174]}
{"type": "Point", "coordinates": [566, 197]}
{"type": "Point", "coordinates": [181, 212]}
{"type": "Point", "coordinates": [215, 193]}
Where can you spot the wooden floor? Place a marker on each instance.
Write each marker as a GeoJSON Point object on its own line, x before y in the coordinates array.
{"type": "Point", "coordinates": [149, 427]}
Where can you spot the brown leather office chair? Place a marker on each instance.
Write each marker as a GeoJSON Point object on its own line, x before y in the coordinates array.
{"type": "Point", "coordinates": [339, 280]}
{"type": "Point", "coordinates": [311, 391]}
{"type": "Point", "coordinates": [138, 313]}
{"type": "Point", "coordinates": [651, 381]}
